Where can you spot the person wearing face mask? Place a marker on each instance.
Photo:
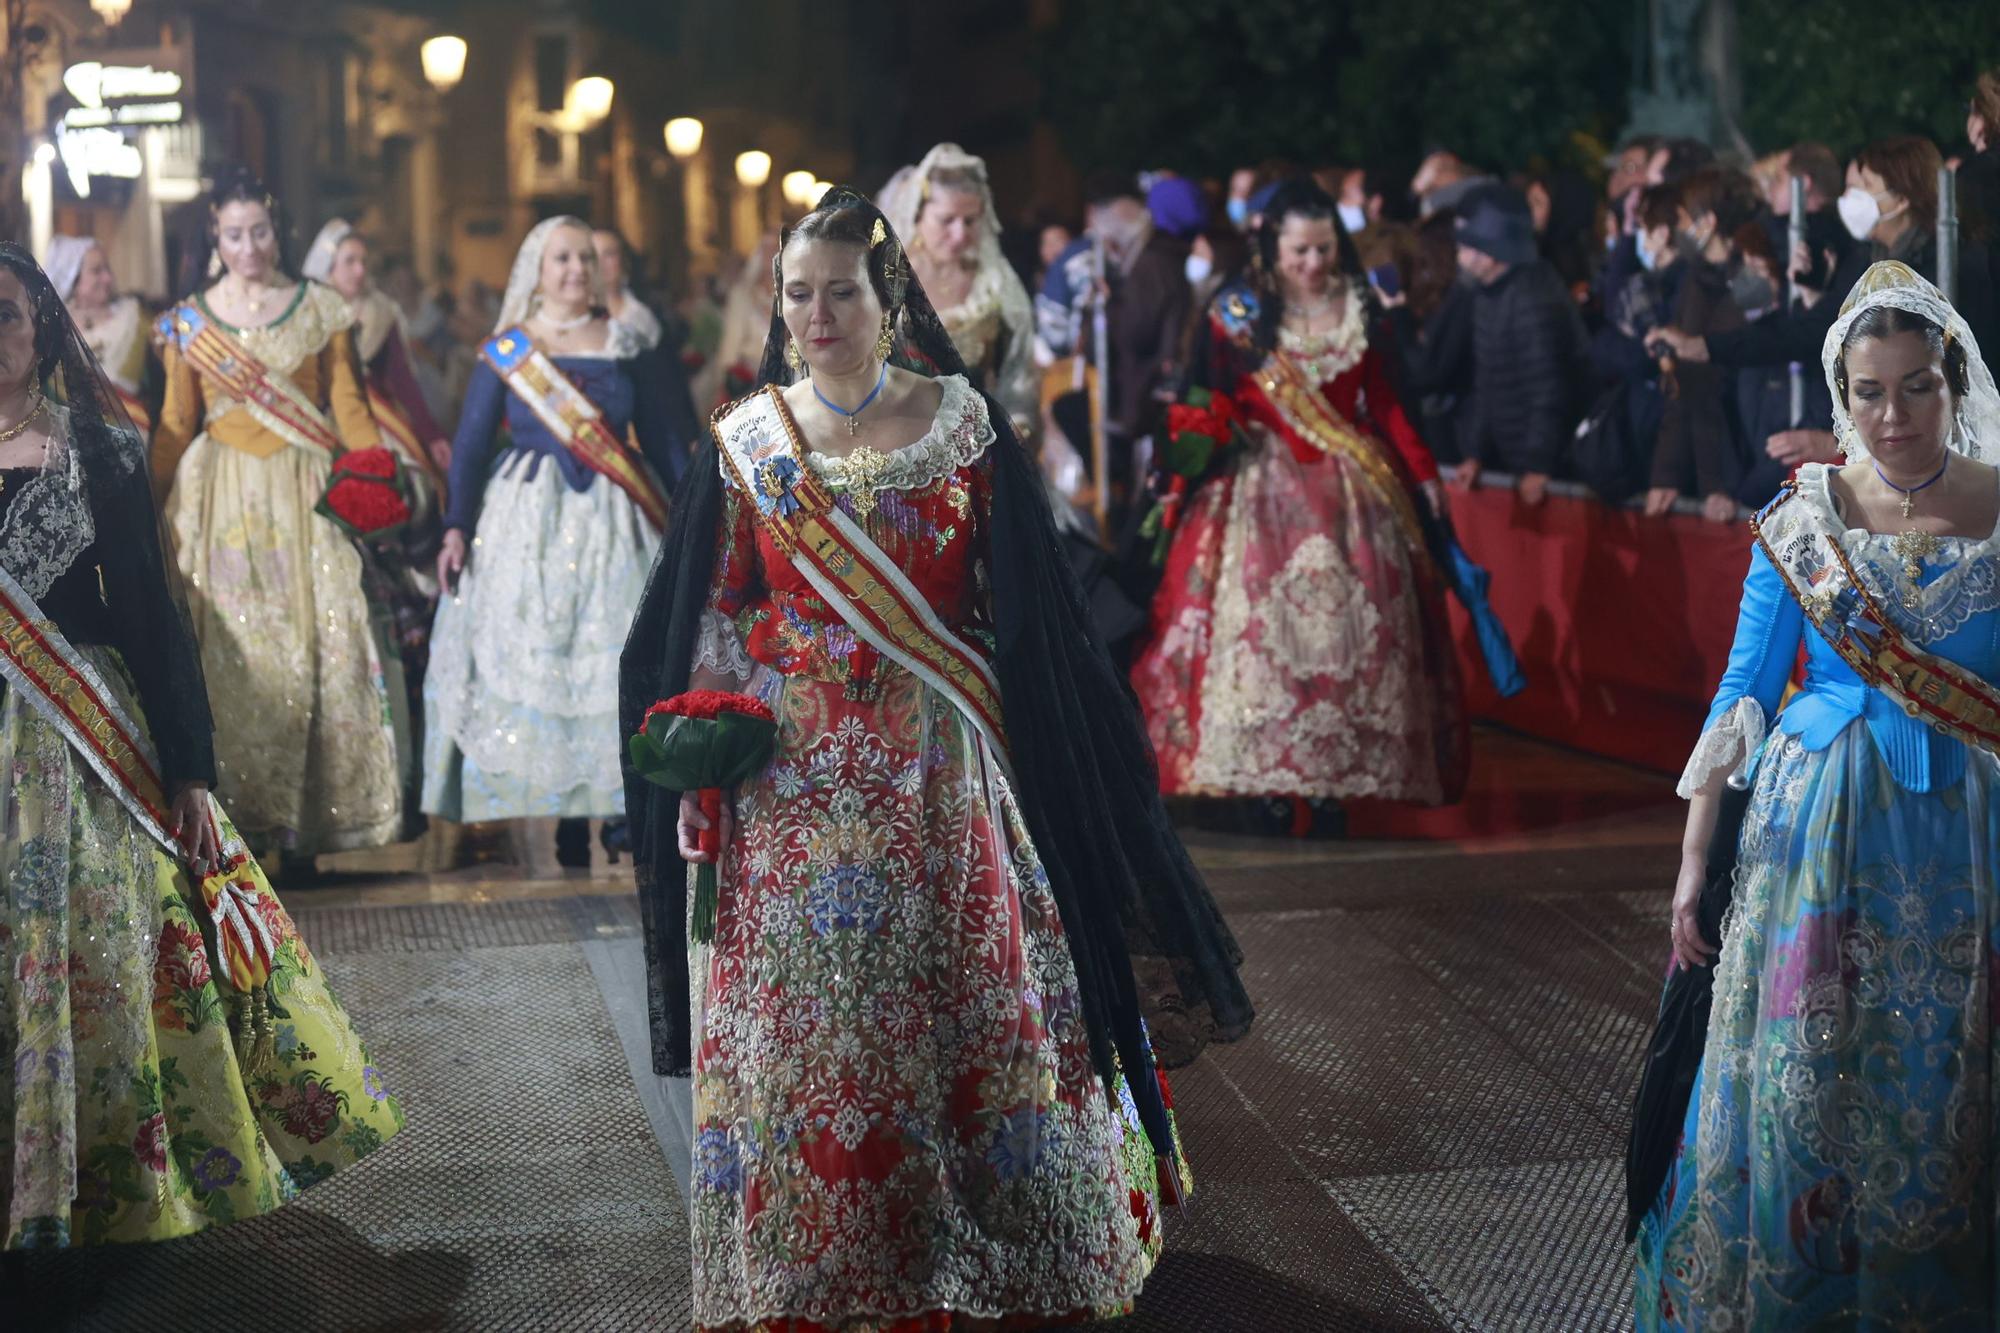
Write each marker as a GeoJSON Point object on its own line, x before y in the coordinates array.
{"type": "Point", "coordinates": [264, 391]}
{"type": "Point", "coordinates": [1146, 309]}
{"type": "Point", "coordinates": [1890, 211]}
{"type": "Point", "coordinates": [546, 547]}
{"type": "Point", "coordinates": [1613, 448]}
{"type": "Point", "coordinates": [115, 325]}
{"type": "Point", "coordinates": [1298, 653]}
{"type": "Point", "coordinates": [945, 206]}
{"type": "Point", "coordinates": [1216, 258]}
{"type": "Point", "coordinates": [1891, 203]}
{"type": "Point", "coordinates": [1697, 451]}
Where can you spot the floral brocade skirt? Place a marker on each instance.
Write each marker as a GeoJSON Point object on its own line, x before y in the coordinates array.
{"type": "Point", "coordinates": [1294, 647]}
{"type": "Point", "coordinates": [141, 1096]}
{"type": "Point", "coordinates": [897, 1117]}
{"type": "Point", "coordinates": [306, 748]}
{"type": "Point", "coordinates": [521, 701]}
{"type": "Point", "coordinates": [1837, 1164]}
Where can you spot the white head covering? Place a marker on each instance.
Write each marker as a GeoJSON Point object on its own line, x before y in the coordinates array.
{"type": "Point", "coordinates": [526, 278]}
{"type": "Point", "coordinates": [318, 263]}
{"type": "Point", "coordinates": [1976, 430]}
{"type": "Point", "coordinates": [64, 261]}
{"type": "Point", "coordinates": [903, 198]}
{"type": "Point", "coordinates": [898, 200]}
{"type": "Point", "coordinates": [902, 201]}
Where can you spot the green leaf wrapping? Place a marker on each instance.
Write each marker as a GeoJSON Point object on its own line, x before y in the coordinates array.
{"type": "Point", "coordinates": [690, 753]}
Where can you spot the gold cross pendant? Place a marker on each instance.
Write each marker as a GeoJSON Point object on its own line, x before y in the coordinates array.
{"type": "Point", "coordinates": [1914, 548]}
{"type": "Point", "coordinates": [854, 429]}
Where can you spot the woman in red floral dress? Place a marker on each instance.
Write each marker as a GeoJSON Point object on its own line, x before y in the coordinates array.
{"type": "Point", "coordinates": [1298, 649]}
{"type": "Point", "coordinates": [911, 1035]}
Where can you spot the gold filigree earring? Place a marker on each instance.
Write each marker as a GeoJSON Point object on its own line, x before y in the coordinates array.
{"type": "Point", "coordinates": [793, 356]}
{"type": "Point", "coordinates": [885, 343]}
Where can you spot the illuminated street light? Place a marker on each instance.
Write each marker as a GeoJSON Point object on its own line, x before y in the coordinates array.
{"type": "Point", "coordinates": [589, 100]}
{"type": "Point", "coordinates": [444, 62]}
{"type": "Point", "coordinates": [798, 187]}
{"type": "Point", "coordinates": [817, 193]}
{"type": "Point", "coordinates": [683, 137]}
{"type": "Point", "coordinates": [753, 169]}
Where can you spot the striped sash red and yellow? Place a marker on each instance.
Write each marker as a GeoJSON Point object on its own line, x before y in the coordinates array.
{"type": "Point", "coordinates": [1306, 412]}
{"type": "Point", "coordinates": [58, 683]}
{"type": "Point", "coordinates": [851, 572]}
{"type": "Point", "coordinates": [1932, 689]}
{"type": "Point", "coordinates": [274, 400]}
{"type": "Point", "coordinates": [573, 419]}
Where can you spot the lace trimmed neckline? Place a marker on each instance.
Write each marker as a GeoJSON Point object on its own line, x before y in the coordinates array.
{"type": "Point", "coordinates": [48, 525]}
{"type": "Point", "coordinates": [1966, 570]}
{"type": "Point", "coordinates": [1816, 488]}
{"type": "Point", "coordinates": [959, 433]}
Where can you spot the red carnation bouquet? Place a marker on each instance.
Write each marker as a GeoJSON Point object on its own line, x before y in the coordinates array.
{"type": "Point", "coordinates": [367, 496]}
{"type": "Point", "coordinates": [701, 742]}
{"type": "Point", "coordinates": [1198, 429]}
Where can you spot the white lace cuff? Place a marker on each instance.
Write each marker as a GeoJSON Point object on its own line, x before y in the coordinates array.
{"type": "Point", "coordinates": [1728, 743]}
{"type": "Point", "coordinates": [720, 648]}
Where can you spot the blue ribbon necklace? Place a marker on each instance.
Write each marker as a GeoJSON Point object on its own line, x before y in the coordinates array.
{"type": "Point", "coordinates": [853, 425]}
{"type": "Point", "coordinates": [1908, 494]}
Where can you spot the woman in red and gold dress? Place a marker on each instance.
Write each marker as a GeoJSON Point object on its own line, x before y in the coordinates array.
{"type": "Point", "coordinates": [924, 1096]}
{"type": "Point", "coordinates": [1299, 651]}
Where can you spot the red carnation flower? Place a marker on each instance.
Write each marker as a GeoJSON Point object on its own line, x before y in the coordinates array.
{"type": "Point", "coordinates": [708, 704]}
{"type": "Point", "coordinates": [367, 506]}
{"type": "Point", "coordinates": [376, 462]}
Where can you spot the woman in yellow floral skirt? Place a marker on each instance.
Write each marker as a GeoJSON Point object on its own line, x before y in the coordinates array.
{"type": "Point", "coordinates": [264, 390]}
{"type": "Point", "coordinates": [170, 1057]}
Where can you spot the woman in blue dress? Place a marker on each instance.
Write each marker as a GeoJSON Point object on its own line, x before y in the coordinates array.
{"type": "Point", "coordinates": [547, 544]}
{"type": "Point", "coordinates": [1836, 1167]}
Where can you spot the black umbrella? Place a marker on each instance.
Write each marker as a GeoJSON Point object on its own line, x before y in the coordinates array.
{"type": "Point", "coordinates": [1673, 1056]}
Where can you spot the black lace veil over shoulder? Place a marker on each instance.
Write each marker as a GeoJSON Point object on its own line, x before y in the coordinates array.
{"type": "Point", "coordinates": [1085, 775]}
{"type": "Point", "coordinates": [94, 443]}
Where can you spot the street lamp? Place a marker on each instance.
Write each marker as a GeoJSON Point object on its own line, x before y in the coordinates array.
{"type": "Point", "coordinates": [798, 187]}
{"type": "Point", "coordinates": [817, 192]}
{"type": "Point", "coordinates": [753, 169]}
{"type": "Point", "coordinates": [111, 10]}
{"type": "Point", "coordinates": [683, 137]}
{"type": "Point", "coordinates": [444, 62]}
{"type": "Point", "coordinates": [589, 100]}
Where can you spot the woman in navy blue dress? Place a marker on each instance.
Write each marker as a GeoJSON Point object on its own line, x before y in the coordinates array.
{"type": "Point", "coordinates": [549, 535]}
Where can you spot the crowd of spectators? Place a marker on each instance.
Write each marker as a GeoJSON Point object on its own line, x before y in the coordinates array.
{"type": "Point", "coordinates": [1655, 336]}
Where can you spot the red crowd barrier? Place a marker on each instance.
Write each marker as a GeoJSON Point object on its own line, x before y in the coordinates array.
{"type": "Point", "coordinates": [1623, 622]}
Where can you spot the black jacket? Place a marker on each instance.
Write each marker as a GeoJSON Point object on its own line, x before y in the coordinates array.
{"type": "Point", "coordinates": [1434, 369]}
{"type": "Point", "coordinates": [1527, 348]}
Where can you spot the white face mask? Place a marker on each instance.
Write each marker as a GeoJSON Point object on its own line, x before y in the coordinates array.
{"type": "Point", "coordinates": [1859, 212]}
{"type": "Point", "coordinates": [1353, 217]}
{"type": "Point", "coordinates": [1198, 269]}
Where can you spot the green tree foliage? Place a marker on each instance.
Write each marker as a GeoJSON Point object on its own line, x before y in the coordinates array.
{"type": "Point", "coordinates": [1849, 71]}
{"type": "Point", "coordinates": [1205, 85]}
